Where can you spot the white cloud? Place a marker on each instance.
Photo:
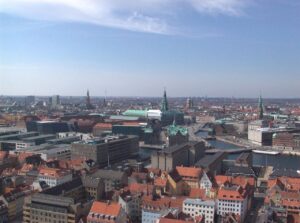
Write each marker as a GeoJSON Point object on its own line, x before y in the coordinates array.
{"type": "Point", "coordinates": [137, 15]}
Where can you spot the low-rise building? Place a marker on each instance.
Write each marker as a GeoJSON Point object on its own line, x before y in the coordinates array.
{"type": "Point", "coordinates": [113, 180]}
{"type": "Point", "coordinates": [198, 207]}
{"type": "Point", "coordinates": [3, 212]}
{"type": "Point", "coordinates": [232, 199]}
{"type": "Point", "coordinates": [54, 177]}
{"type": "Point", "coordinates": [154, 208]}
{"type": "Point", "coordinates": [14, 201]}
{"type": "Point", "coordinates": [102, 212]}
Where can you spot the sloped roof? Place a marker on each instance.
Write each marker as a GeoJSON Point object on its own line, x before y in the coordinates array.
{"type": "Point", "coordinates": [110, 209]}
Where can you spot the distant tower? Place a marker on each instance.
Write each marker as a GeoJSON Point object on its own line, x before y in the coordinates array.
{"type": "Point", "coordinates": [189, 103]}
{"type": "Point", "coordinates": [260, 108]}
{"type": "Point", "coordinates": [164, 103]}
{"type": "Point", "coordinates": [88, 100]}
{"type": "Point", "coordinates": [104, 100]}
{"type": "Point", "coordinates": [54, 101]}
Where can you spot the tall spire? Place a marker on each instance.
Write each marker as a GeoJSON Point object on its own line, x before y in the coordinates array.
{"type": "Point", "coordinates": [88, 100]}
{"type": "Point", "coordinates": [260, 108]}
{"type": "Point", "coordinates": [164, 104]}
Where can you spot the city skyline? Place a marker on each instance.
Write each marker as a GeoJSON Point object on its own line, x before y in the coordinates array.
{"type": "Point", "coordinates": [224, 48]}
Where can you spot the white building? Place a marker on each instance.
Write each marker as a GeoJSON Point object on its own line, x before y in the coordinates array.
{"type": "Point", "coordinates": [54, 177]}
{"type": "Point", "coordinates": [205, 183]}
{"type": "Point", "coordinates": [256, 130]}
{"type": "Point", "coordinates": [154, 114]}
{"type": "Point", "coordinates": [232, 200]}
{"type": "Point", "coordinates": [198, 207]}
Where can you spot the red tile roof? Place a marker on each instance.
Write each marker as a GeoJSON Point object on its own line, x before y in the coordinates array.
{"type": "Point", "coordinates": [197, 193]}
{"type": "Point", "coordinates": [192, 172]}
{"type": "Point", "coordinates": [160, 182]}
{"type": "Point", "coordinates": [111, 209]}
{"type": "Point", "coordinates": [229, 194]}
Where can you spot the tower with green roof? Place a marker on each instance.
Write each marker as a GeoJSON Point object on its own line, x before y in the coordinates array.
{"type": "Point", "coordinates": [164, 103]}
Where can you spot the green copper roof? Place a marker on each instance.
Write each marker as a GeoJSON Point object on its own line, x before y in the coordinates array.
{"type": "Point", "coordinates": [174, 129]}
{"type": "Point", "coordinates": [137, 113]}
{"type": "Point", "coordinates": [164, 103]}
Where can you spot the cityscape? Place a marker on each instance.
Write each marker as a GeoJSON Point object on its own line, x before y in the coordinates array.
{"type": "Point", "coordinates": [149, 111]}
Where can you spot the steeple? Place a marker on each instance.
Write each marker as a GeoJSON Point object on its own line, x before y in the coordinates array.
{"type": "Point", "coordinates": [164, 103]}
{"type": "Point", "coordinates": [88, 100]}
{"type": "Point", "coordinates": [260, 108]}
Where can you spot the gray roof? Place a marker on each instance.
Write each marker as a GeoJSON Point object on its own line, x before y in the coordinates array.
{"type": "Point", "coordinates": [207, 160]}
{"type": "Point", "coordinates": [91, 181]}
{"type": "Point", "coordinates": [199, 202]}
{"type": "Point", "coordinates": [47, 199]}
{"type": "Point", "coordinates": [32, 138]}
{"type": "Point", "coordinates": [68, 186]}
{"type": "Point", "coordinates": [108, 174]}
{"type": "Point", "coordinates": [240, 170]}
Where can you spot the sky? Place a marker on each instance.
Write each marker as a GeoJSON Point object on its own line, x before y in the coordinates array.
{"type": "Point", "coordinates": [213, 48]}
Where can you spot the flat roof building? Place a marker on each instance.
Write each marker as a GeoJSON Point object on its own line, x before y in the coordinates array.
{"type": "Point", "coordinates": [107, 150]}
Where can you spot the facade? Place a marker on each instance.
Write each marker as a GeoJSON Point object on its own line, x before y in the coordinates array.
{"type": "Point", "coordinates": [94, 186]}
{"type": "Point", "coordinates": [65, 203]}
{"type": "Point", "coordinates": [14, 202]}
{"type": "Point", "coordinates": [258, 134]}
{"type": "Point", "coordinates": [131, 204]}
{"type": "Point", "coordinates": [55, 101]}
{"type": "Point", "coordinates": [3, 213]}
{"type": "Point", "coordinates": [10, 145]}
{"type": "Point", "coordinates": [107, 150]}
{"type": "Point", "coordinates": [58, 152]}
{"type": "Point", "coordinates": [190, 176]}
{"type": "Point", "coordinates": [53, 209]}
{"type": "Point", "coordinates": [113, 180]}
{"type": "Point", "coordinates": [232, 200]}
{"type": "Point", "coordinates": [54, 177]}
{"type": "Point", "coordinates": [102, 212]}
{"type": "Point", "coordinates": [206, 183]}
{"type": "Point", "coordinates": [283, 140]}
{"type": "Point", "coordinates": [186, 154]}
{"type": "Point", "coordinates": [154, 208]}
{"type": "Point", "coordinates": [48, 127]}
{"type": "Point", "coordinates": [198, 207]}
{"type": "Point", "coordinates": [136, 130]}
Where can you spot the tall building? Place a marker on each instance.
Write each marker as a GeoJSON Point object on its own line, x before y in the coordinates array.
{"type": "Point", "coordinates": [260, 108]}
{"type": "Point", "coordinates": [55, 101]}
{"type": "Point", "coordinates": [29, 100]}
{"type": "Point", "coordinates": [88, 101]}
{"type": "Point", "coordinates": [164, 103]}
{"type": "Point", "coordinates": [189, 103]}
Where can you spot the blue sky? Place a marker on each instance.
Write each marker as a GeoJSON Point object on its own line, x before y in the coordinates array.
{"type": "Point", "coordinates": [193, 47]}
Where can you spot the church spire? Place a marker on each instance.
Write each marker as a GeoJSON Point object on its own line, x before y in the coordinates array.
{"type": "Point", "coordinates": [260, 108]}
{"type": "Point", "coordinates": [164, 104]}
